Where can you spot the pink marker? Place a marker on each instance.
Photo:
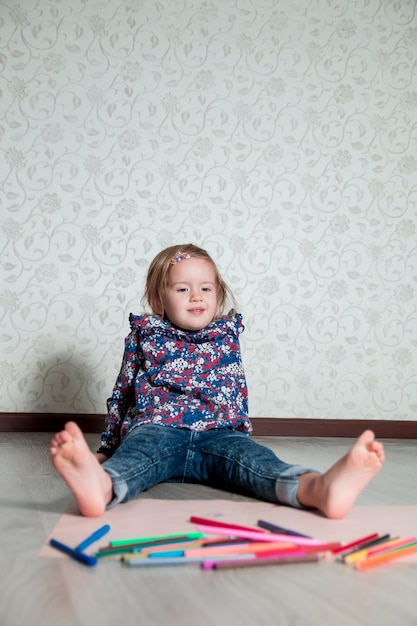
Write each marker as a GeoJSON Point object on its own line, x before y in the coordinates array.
{"type": "Point", "coordinates": [258, 536]}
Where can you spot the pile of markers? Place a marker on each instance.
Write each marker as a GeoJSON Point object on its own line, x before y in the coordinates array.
{"type": "Point", "coordinates": [219, 545]}
{"type": "Point", "coordinates": [374, 550]}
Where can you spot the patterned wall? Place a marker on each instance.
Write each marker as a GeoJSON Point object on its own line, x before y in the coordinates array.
{"type": "Point", "coordinates": [279, 134]}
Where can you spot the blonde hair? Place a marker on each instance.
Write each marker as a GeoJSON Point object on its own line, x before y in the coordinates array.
{"type": "Point", "coordinates": [158, 275]}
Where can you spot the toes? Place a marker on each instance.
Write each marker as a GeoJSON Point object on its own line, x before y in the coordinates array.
{"type": "Point", "coordinates": [73, 429]}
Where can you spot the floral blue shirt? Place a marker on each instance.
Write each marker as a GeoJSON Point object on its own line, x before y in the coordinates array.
{"type": "Point", "coordinates": [178, 378]}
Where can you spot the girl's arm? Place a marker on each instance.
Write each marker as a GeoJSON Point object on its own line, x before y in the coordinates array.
{"type": "Point", "coordinates": [121, 398]}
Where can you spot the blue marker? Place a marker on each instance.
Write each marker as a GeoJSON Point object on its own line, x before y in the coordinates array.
{"type": "Point", "coordinates": [170, 553]}
{"type": "Point", "coordinates": [75, 554]}
{"type": "Point", "coordinates": [98, 534]}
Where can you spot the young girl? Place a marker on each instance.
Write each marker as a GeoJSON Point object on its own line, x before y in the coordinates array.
{"type": "Point", "coordinates": [179, 413]}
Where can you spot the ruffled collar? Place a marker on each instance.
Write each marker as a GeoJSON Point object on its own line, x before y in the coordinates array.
{"type": "Point", "coordinates": [147, 325]}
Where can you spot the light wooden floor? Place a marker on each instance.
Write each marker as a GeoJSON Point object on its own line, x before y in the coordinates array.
{"type": "Point", "coordinates": [48, 592]}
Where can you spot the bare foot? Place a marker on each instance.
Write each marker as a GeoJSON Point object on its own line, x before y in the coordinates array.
{"type": "Point", "coordinates": [81, 470]}
{"type": "Point", "coordinates": [335, 491]}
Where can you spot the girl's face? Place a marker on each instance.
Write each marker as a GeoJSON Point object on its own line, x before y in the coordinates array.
{"type": "Point", "coordinates": [190, 301]}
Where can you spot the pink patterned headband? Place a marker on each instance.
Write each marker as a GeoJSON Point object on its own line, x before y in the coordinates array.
{"type": "Point", "coordinates": [179, 257]}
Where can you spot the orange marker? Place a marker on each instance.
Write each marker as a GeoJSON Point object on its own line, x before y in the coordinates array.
{"type": "Point", "coordinates": [253, 547]}
{"type": "Point", "coordinates": [388, 556]}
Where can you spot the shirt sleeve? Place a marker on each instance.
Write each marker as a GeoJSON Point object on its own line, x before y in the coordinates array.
{"type": "Point", "coordinates": [123, 395]}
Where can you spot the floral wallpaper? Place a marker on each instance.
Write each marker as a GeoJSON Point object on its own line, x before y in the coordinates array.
{"type": "Point", "coordinates": [278, 134]}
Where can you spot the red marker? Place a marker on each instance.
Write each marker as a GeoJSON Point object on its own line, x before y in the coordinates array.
{"type": "Point", "coordinates": [354, 544]}
{"type": "Point", "coordinates": [210, 522]}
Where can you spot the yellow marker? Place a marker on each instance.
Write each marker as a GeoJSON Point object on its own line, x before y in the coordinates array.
{"type": "Point", "coordinates": [362, 554]}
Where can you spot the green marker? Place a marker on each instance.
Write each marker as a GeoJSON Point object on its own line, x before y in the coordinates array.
{"type": "Point", "coordinates": [156, 539]}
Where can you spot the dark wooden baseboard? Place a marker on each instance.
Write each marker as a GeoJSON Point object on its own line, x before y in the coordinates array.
{"type": "Point", "coordinates": [295, 427]}
{"type": "Point", "coordinates": [49, 422]}
{"type": "Point", "coordinates": [262, 426]}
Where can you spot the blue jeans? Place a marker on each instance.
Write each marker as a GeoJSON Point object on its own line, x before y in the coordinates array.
{"type": "Point", "coordinates": [220, 458]}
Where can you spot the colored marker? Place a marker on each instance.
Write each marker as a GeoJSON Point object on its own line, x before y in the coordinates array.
{"type": "Point", "coordinates": [279, 529]}
{"type": "Point", "coordinates": [163, 555]}
{"type": "Point", "coordinates": [108, 551]}
{"type": "Point", "coordinates": [353, 544]}
{"type": "Point", "coordinates": [161, 544]}
{"type": "Point", "coordinates": [307, 558]}
{"type": "Point", "coordinates": [358, 555]}
{"type": "Point", "coordinates": [217, 524]}
{"type": "Point", "coordinates": [398, 543]}
{"type": "Point", "coordinates": [176, 545]}
{"type": "Point", "coordinates": [124, 548]}
{"type": "Point", "coordinates": [223, 541]}
{"type": "Point", "coordinates": [142, 562]}
{"type": "Point", "coordinates": [156, 539]}
{"type": "Point", "coordinates": [102, 552]}
{"type": "Point", "coordinates": [260, 536]}
{"type": "Point", "coordinates": [140, 547]}
{"type": "Point", "coordinates": [265, 548]}
{"type": "Point", "coordinates": [75, 554]}
{"type": "Point", "coordinates": [252, 547]}
{"type": "Point", "coordinates": [191, 543]}
{"type": "Point", "coordinates": [321, 549]}
{"type": "Point", "coordinates": [98, 534]}
{"type": "Point", "coordinates": [366, 544]}
{"type": "Point", "coordinates": [138, 561]}
{"type": "Point", "coordinates": [387, 556]}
